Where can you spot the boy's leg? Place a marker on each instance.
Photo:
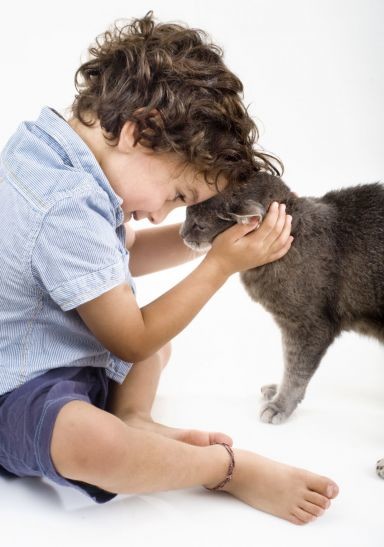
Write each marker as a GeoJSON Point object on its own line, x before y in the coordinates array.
{"type": "Point", "coordinates": [136, 395]}
{"type": "Point", "coordinates": [132, 402]}
{"type": "Point", "coordinates": [93, 446]}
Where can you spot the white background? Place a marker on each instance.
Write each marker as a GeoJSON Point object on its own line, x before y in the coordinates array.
{"type": "Point", "coordinates": [313, 73]}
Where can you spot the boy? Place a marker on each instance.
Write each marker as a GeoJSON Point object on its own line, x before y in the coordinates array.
{"type": "Point", "coordinates": [157, 123]}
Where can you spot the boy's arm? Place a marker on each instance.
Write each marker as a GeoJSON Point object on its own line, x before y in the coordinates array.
{"type": "Point", "coordinates": [155, 249]}
{"type": "Point", "coordinates": [134, 334]}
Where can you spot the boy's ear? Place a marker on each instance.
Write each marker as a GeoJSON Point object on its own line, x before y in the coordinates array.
{"type": "Point", "coordinates": [245, 213]}
{"type": "Point", "coordinates": [145, 122]}
{"type": "Point", "coordinates": [127, 137]}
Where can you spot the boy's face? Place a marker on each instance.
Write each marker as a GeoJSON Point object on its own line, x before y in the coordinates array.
{"type": "Point", "coordinates": [153, 184]}
{"type": "Point", "coordinates": [150, 184]}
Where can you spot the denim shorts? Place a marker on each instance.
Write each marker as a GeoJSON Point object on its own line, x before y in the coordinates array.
{"type": "Point", "coordinates": [28, 415]}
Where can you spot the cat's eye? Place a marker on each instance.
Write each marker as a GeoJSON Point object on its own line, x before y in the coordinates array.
{"type": "Point", "coordinates": [198, 227]}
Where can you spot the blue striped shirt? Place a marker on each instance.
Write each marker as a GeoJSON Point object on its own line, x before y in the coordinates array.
{"type": "Point", "coordinates": [62, 243]}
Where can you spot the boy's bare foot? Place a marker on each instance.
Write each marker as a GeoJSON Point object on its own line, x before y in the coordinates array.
{"type": "Point", "coordinates": [190, 436]}
{"type": "Point", "coordinates": [293, 494]}
{"type": "Point", "coordinates": [290, 493]}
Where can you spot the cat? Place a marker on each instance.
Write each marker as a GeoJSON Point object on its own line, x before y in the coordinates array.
{"type": "Point", "coordinates": [331, 280]}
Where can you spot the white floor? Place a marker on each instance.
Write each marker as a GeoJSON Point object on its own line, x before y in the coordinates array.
{"type": "Point", "coordinates": [213, 382]}
{"type": "Point", "coordinates": [313, 77]}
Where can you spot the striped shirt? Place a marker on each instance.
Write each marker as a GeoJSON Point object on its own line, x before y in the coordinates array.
{"type": "Point", "coordinates": [62, 243]}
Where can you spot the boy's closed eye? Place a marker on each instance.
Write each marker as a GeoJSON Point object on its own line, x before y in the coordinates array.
{"type": "Point", "coordinates": [179, 196]}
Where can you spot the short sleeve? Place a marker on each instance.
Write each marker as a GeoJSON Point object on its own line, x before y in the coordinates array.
{"type": "Point", "coordinates": [77, 255]}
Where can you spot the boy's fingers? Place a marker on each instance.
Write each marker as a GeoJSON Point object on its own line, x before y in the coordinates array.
{"type": "Point", "coordinates": [282, 251]}
{"type": "Point", "coordinates": [280, 222]}
{"type": "Point", "coordinates": [270, 220]}
{"type": "Point", "coordinates": [241, 230]}
{"type": "Point", "coordinates": [285, 232]}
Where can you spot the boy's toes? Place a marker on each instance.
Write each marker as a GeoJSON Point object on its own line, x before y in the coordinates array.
{"type": "Point", "coordinates": [332, 490]}
{"type": "Point", "coordinates": [324, 486]}
{"type": "Point", "coordinates": [318, 499]}
{"type": "Point", "coordinates": [217, 437]}
{"type": "Point", "coordinates": [312, 509]}
{"type": "Point", "coordinates": [204, 438]}
{"type": "Point", "coordinates": [295, 520]}
{"type": "Point", "coordinates": [302, 516]}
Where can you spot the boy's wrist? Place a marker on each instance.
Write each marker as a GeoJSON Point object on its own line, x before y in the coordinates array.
{"type": "Point", "coordinates": [218, 268]}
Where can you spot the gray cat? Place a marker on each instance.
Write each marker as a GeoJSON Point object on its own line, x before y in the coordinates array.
{"type": "Point", "coordinates": [331, 280]}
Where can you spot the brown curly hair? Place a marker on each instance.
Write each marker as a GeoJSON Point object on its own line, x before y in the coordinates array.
{"type": "Point", "coordinates": [172, 82]}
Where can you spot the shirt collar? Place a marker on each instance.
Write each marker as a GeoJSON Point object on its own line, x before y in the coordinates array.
{"type": "Point", "coordinates": [78, 152]}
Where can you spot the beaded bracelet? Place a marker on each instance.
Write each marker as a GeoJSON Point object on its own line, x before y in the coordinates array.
{"type": "Point", "coordinates": [231, 468]}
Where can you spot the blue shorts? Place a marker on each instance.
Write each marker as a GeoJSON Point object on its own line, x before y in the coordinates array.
{"type": "Point", "coordinates": [28, 415]}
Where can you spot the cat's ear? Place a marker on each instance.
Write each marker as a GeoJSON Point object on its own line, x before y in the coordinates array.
{"type": "Point", "coordinates": [245, 213]}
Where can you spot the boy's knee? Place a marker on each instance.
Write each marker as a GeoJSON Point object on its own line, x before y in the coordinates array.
{"type": "Point", "coordinates": [86, 442]}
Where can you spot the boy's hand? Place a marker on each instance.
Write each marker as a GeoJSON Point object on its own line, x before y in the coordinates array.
{"type": "Point", "coordinates": [241, 247]}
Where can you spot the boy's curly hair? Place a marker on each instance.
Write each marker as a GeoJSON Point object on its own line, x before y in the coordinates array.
{"type": "Point", "coordinates": [173, 83]}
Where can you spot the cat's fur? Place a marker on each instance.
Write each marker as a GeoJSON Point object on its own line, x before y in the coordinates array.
{"type": "Point", "coordinates": [331, 280]}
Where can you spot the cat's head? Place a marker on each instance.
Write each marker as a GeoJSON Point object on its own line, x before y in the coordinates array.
{"type": "Point", "coordinates": [237, 204]}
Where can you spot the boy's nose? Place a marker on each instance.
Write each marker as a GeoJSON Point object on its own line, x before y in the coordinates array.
{"type": "Point", "coordinates": [156, 217]}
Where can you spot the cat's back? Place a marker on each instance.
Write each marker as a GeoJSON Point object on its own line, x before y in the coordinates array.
{"type": "Point", "coordinates": [358, 226]}
{"type": "Point", "coordinates": [358, 208]}
{"type": "Point", "coordinates": [337, 254]}
{"type": "Point", "coordinates": [358, 233]}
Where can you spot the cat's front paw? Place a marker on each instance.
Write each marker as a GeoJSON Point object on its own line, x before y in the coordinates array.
{"type": "Point", "coordinates": [269, 391]}
{"type": "Point", "coordinates": [380, 468]}
{"type": "Point", "coordinates": [271, 413]}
